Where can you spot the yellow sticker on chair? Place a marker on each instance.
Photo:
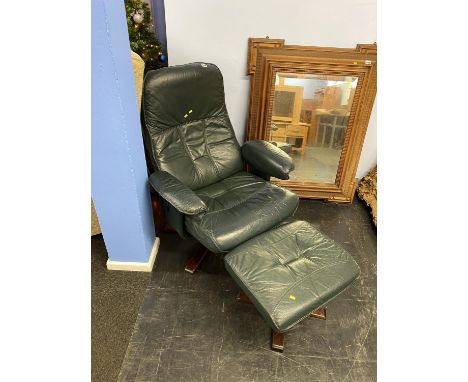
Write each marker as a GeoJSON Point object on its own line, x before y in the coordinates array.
{"type": "Point", "coordinates": [291, 297]}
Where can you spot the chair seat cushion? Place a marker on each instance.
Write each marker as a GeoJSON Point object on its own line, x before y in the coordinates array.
{"type": "Point", "coordinates": [290, 271]}
{"type": "Point", "coordinates": [239, 207]}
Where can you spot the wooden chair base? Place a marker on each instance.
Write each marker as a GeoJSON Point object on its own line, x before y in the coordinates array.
{"type": "Point", "coordinates": [277, 341]}
{"type": "Point", "coordinates": [242, 297]}
{"type": "Point", "coordinates": [158, 213]}
{"type": "Point", "coordinates": [193, 263]}
{"type": "Point", "coordinates": [168, 228]}
{"type": "Point", "coordinates": [320, 313]}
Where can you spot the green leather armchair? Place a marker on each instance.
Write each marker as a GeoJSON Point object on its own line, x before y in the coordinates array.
{"type": "Point", "coordinates": [198, 166]}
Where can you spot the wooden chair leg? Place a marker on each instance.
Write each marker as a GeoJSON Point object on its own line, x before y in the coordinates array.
{"type": "Point", "coordinates": [192, 264]}
{"type": "Point", "coordinates": [168, 228]}
{"type": "Point", "coordinates": [159, 216]}
{"type": "Point", "coordinates": [320, 313]}
{"type": "Point", "coordinates": [277, 341]}
{"type": "Point", "coordinates": [242, 297]}
{"type": "Point", "coordinates": [158, 213]}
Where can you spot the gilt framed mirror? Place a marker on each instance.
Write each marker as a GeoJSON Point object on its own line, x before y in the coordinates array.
{"type": "Point", "coordinates": [313, 103]}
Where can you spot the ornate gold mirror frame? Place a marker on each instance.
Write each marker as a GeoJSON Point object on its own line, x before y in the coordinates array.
{"type": "Point", "coordinates": [269, 57]}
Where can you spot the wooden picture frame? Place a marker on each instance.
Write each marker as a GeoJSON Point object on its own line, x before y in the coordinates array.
{"type": "Point", "coordinates": [272, 57]}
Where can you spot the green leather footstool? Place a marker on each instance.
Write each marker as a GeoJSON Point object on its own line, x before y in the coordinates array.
{"type": "Point", "coordinates": [289, 273]}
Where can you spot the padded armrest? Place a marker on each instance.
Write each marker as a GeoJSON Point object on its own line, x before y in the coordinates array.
{"type": "Point", "coordinates": [267, 158]}
{"type": "Point", "coordinates": [176, 193]}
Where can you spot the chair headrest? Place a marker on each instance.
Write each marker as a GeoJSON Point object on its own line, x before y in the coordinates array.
{"type": "Point", "coordinates": [180, 94]}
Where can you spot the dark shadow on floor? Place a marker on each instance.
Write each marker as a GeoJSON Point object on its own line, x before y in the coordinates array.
{"type": "Point", "coordinates": [116, 297]}
{"type": "Point", "coordinates": [190, 327]}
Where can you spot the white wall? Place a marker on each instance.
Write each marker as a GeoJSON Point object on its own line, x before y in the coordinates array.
{"type": "Point", "coordinates": [217, 31]}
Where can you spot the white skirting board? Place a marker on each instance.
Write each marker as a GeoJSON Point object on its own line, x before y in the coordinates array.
{"type": "Point", "coordinates": [135, 266]}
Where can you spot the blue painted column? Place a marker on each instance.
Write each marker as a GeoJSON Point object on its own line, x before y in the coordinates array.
{"type": "Point", "coordinates": [119, 175]}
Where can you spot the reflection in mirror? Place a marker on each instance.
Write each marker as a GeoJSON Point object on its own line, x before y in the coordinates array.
{"type": "Point", "coordinates": [309, 120]}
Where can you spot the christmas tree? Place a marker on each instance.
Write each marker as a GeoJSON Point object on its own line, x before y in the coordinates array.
{"type": "Point", "coordinates": [142, 38]}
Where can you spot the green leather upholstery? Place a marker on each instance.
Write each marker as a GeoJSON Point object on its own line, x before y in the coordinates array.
{"type": "Point", "coordinates": [177, 194]}
{"type": "Point", "coordinates": [198, 162]}
{"type": "Point", "coordinates": [239, 207]}
{"type": "Point", "coordinates": [267, 159]}
{"type": "Point", "coordinates": [188, 127]}
{"type": "Point", "coordinates": [290, 271]}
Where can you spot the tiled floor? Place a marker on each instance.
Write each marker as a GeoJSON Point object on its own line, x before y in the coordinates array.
{"type": "Point", "coordinates": [190, 327]}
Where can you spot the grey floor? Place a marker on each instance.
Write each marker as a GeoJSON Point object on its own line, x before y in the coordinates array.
{"type": "Point", "coordinates": [190, 327]}
{"type": "Point", "coordinates": [116, 298]}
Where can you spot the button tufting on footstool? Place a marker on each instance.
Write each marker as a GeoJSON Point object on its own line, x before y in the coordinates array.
{"type": "Point", "coordinates": [290, 271]}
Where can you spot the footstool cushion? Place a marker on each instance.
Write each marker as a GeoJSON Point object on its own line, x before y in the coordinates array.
{"type": "Point", "coordinates": [290, 271]}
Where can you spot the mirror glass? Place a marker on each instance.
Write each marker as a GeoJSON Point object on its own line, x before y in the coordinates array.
{"type": "Point", "coordinates": [309, 119]}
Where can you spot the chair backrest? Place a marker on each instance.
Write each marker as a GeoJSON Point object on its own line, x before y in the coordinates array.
{"type": "Point", "coordinates": [186, 126]}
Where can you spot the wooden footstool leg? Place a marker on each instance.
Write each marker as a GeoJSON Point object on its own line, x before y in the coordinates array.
{"type": "Point", "coordinates": [193, 263]}
{"type": "Point", "coordinates": [277, 341]}
{"type": "Point", "coordinates": [320, 313]}
{"type": "Point", "coordinates": [242, 297]}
